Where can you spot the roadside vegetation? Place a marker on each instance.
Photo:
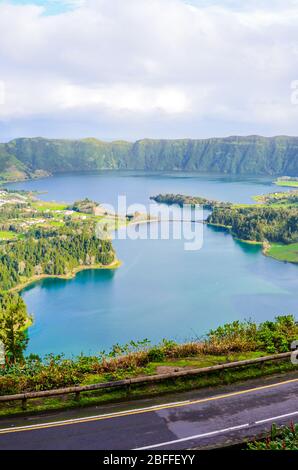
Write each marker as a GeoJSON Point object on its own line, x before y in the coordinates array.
{"type": "Point", "coordinates": [229, 343]}
{"type": "Point", "coordinates": [280, 438]}
{"type": "Point", "coordinates": [234, 341]}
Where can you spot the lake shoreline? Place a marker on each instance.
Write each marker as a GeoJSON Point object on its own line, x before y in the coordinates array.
{"type": "Point", "coordinates": [150, 295]}
{"type": "Point", "coordinates": [228, 229]}
{"type": "Point", "coordinates": [266, 247]}
{"type": "Point", "coordinates": [114, 265]}
{"type": "Point", "coordinates": [268, 251]}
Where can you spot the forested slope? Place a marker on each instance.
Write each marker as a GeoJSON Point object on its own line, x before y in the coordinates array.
{"type": "Point", "coordinates": [251, 155]}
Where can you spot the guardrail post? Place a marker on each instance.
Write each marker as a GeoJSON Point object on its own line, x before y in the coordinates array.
{"type": "Point", "coordinates": [222, 375]}
{"type": "Point", "coordinates": [77, 396]}
{"type": "Point", "coordinates": [24, 403]}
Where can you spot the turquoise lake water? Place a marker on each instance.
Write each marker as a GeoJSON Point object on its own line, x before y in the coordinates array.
{"type": "Point", "coordinates": [161, 290]}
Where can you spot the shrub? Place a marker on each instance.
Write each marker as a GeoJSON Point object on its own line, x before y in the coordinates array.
{"type": "Point", "coordinates": [285, 438]}
{"type": "Point", "coordinates": [277, 336]}
{"type": "Point", "coordinates": [270, 336]}
{"type": "Point", "coordinates": [56, 371]}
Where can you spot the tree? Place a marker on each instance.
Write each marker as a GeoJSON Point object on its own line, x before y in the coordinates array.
{"type": "Point", "coordinates": [14, 322]}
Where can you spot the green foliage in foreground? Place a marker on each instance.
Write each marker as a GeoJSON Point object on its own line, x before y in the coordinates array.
{"type": "Point", "coordinates": [153, 390]}
{"type": "Point", "coordinates": [284, 438]}
{"type": "Point", "coordinates": [270, 336]}
{"type": "Point", "coordinates": [137, 358]}
{"type": "Point", "coordinates": [14, 322]}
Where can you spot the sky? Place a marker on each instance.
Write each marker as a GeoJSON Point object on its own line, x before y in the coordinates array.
{"type": "Point", "coordinates": [130, 69]}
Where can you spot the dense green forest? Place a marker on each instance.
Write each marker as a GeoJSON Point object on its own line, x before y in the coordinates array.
{"type": "Point", "coordinates": [46, 238]}
{"type": "Point", "coordinates": [51, 255]}
{"type": "Point", "coordinates": [181, 200]}
{"type": "Point", "coordinates": [274, 224]}
{"type": "Point", "coordinates": [255, 155]}
{"type": "Point", "coordinates": [274, 219]}
{"type": "Point", "coordinates": [37, 239]}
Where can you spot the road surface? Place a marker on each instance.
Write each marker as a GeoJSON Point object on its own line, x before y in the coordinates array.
{"type": "Point", "coordinates": [204, 419]}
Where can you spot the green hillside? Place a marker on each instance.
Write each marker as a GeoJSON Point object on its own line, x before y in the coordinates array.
{"type": "Point", "coordinates": [251, 155]}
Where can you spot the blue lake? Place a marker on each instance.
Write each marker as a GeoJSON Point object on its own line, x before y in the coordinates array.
{"type": "Point", "coordinates": [161, 290]}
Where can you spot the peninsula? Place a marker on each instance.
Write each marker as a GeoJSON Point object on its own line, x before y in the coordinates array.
{"type": "Point", "coordinates": [272, 222]}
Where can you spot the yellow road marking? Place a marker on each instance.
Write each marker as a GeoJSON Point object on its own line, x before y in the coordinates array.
{"type": "Point", "coordinates": [144, 410]}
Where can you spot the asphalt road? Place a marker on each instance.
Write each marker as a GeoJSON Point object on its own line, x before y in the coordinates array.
{"type": "Point", "coordinates": [224, 416]}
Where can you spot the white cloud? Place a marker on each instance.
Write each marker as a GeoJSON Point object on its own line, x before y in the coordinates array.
{"type": "Point", "coordinates": [123, 98]}
{"type": "Point", "coordinates": [2, 93]}
{"type": "Point", "coordinates": [164, 67]}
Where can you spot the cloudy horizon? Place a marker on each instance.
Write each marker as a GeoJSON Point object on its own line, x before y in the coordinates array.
{"type": "Point", "coordinates": [115, 69]}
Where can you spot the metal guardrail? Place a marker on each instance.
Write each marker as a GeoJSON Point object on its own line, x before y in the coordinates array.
{"type": "Point", "coordinates": [77, 390]}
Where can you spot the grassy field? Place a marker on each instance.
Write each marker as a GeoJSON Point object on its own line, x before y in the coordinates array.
{"type": "Point", "coordinates": [171, 365]}
{"type": "Point", "coordinates": [287, 184]}
{"type": "Point", "coordinates": [280, 199]}
{"type": "Point", "coordinates": [284, 252]}
{"type": "Point", "coordinates": [52, 206]}
{"type": "Point", "coordinates": [6, 235]}
{"type": "Point", "coordinates": [56, 223]}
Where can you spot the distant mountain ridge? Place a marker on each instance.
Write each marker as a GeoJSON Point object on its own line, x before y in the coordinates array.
{"type": "Point", "coordinates": [252, 155]}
